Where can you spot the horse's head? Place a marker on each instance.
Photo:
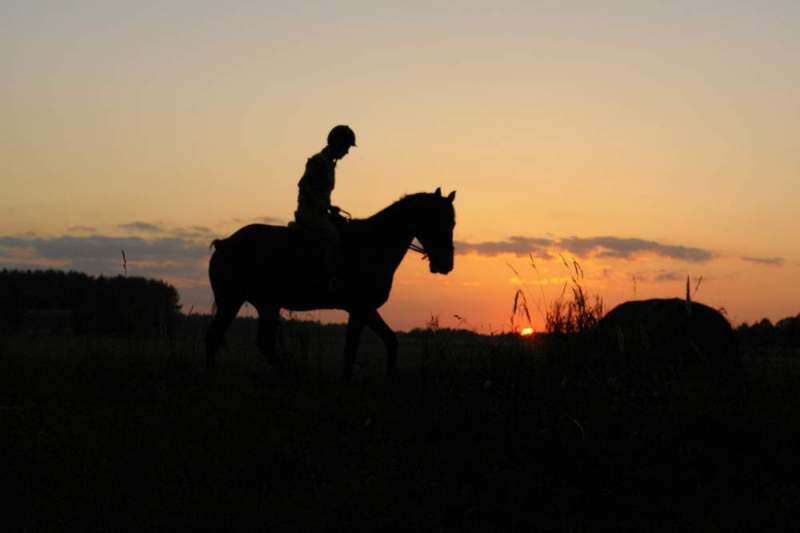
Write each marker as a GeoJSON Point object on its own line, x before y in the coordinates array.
{"type": "Point", "coordinates": [434, 230]}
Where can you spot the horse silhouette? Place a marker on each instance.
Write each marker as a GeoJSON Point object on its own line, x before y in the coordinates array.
{"type": "Point", "coordinates": [277, 267]}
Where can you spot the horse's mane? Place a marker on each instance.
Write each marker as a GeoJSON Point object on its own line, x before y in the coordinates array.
{"type": "Point", "coordinates": [402, 202]}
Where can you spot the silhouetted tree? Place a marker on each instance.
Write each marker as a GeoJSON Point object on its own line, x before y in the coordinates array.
{"type": "Point", "coordinates": [789, 331]}
{"type": "Point", "coordinates": [51, 299]}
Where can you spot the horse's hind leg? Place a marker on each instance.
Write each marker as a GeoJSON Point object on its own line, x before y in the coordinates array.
{"type": "Point", "coordinates": [225, 314]}
{"type": "Point", "coordinates": [355, 325]}
{"type": "Point", "coordinates": [268, 321]}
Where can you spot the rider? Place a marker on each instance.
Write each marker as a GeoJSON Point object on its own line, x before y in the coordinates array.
{"type": "Point", "coordinates": [314, 209]}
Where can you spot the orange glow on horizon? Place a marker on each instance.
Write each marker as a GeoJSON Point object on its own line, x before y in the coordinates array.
{"type": "Point", "coordinates": [547, 173]}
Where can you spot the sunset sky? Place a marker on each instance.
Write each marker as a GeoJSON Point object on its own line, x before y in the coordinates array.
{"type": "Point", "coordinates": [647, 140]}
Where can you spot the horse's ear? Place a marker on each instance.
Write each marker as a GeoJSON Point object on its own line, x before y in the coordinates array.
{"type": "Point", "coordinates": [451, 196]}
{"type": "Point", "coordinates": [438, 191]}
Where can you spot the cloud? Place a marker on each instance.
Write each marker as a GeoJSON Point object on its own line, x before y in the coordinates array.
{"type": "Point", "coordinates": [622, 248]}
{"type": "Point", "coordinates": [100, 254]}
{"type": "Point", "coordinates": [514, 245]}
{"type": "Point", "coordinates": [145, 227]}
{"type": "Point", "coordinates": [192, 232]}
{"type": "Point", "coordinates": [27, 265]}
{"type": "Point", "coordinates": [771, 261]}
{"type": "Point", "coordinates": [82, 229]}
{"type": "Point", "coordinates": [276, 221]}
{"type": "Point", "coordinates": [668, 276]}
{"type": "Point", "coordinates": [182, 232]}
{"type": "Point", "coordinates": [606, 246]}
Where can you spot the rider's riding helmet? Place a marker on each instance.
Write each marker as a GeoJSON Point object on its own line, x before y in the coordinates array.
{"type": "Point", "coordinates": [342, 136]}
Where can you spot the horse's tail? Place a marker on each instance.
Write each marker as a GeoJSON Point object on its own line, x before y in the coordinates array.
{"type": "Point", "coordinates": [217, 246]}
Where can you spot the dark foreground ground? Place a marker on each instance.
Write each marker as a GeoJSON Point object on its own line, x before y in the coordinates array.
{"type": "Point", "coordinates": [480, 435]}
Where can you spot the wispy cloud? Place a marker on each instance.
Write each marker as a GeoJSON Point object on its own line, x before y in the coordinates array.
{"type": "Point", "coordinates": [626, 248]}
{"type": "Point", "coordinates": [771, 261]}
{"type": "Point", "coordinates": [155, 228]}
{"type": "Point", "coordinates": [262, 220]}
{"type": "Point", "coordinates": [181, 232]}
{"type": "Point", "coordinates": [516, 245]}
{"type": "Point", "coordinates": [668, 276]}
{"type": "Point", "coordinates": [604, 246]}
{"type": "Point", "coordinates": [192, 232]}
{"type": "Point", "coordinates": [82, 229]}
{"type": "Point", "coordinates": [139, 226]}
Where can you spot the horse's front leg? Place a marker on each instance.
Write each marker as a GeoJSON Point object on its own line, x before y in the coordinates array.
{"type": "Point", "coordinates": [268, 320]}
{"type": "Point", "coordinates": [355, 325]}
{"type": "Point", "coordinates": [389, 338]}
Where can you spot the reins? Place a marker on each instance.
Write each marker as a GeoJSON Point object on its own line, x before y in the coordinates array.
{"type": "Point", "coordinates": [419, 249]}
{"type": "Point", "coordinates": [413, 247]}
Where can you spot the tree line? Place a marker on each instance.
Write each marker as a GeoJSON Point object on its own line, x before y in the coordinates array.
{"type": "Point", "coordinates": [53, 301]}
{"type": "Point", "coordinates": [784, 332]}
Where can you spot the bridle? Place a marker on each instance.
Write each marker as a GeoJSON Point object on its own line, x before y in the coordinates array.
{"type": "Point", "coordinates": [413, 247]}
{"type": "Point", "coordinates": [419, 249]}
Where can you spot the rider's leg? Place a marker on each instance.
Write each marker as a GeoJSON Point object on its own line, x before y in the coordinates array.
{"type": "Point", "coordinates": [325, 229]}
{"type": "Point", "coordinates": [332, 259]}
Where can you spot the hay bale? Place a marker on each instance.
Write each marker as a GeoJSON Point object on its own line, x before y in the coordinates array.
{"type": "Point", "coordinates": [670, 334]}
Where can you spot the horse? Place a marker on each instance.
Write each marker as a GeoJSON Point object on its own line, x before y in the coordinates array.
{"type": "Point", "coordinates": [280, 267]}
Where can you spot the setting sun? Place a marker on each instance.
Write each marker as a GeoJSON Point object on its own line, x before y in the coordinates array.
{"type": "Point", "coordinates": [526, 332]}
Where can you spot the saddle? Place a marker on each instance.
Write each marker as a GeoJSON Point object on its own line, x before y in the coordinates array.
{"type": "Point", "coordinates": [338, 220]}
{"type": "Point", "coordinates": [314, 244]}
{"type": "Point", "coordinates": [305, 238]}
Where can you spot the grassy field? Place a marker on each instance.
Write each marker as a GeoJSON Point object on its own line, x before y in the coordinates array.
{"type": "Point", "coordinates": [478, 433]}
